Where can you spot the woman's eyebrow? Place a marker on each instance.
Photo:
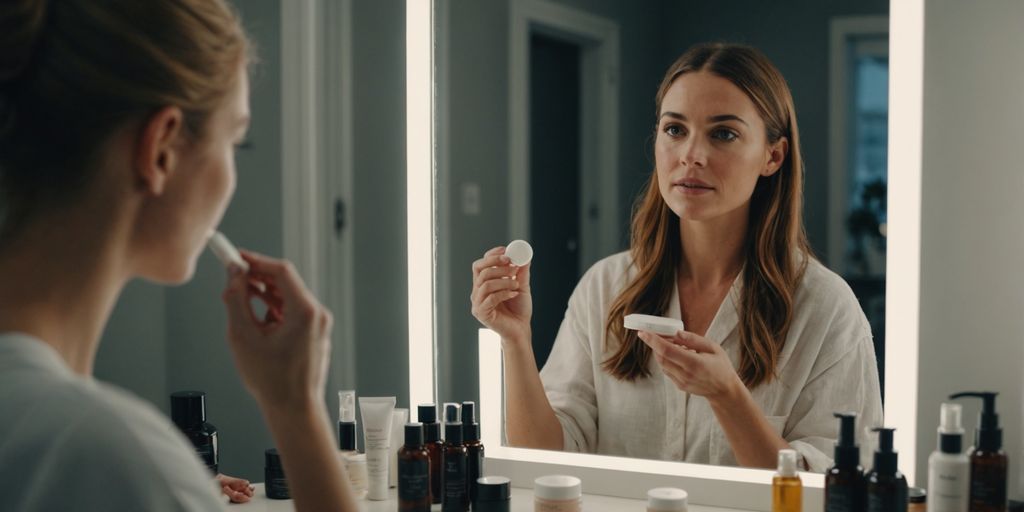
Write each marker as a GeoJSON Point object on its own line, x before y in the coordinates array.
{"type": "Point", "coordinates": [713, 119]}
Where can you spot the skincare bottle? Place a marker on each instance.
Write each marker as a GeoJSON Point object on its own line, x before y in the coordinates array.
{"type": "Point", "coordinates": [413, 472]}
{"type": "Point", "coordinates": [988, 460]}
{"type": "Point", "coordinates": [273, 473]}
{"type": "Point", "coordinates": [844, 482]}
{"type": "Point", "coordinates": [377, 416]}
{"type": "Point", "coordinates": [887, 488]}
{"type": "Point", "coordinates": [427, 415]}
{"type": "Point", "coordinates": [949, 469]}
{"type": "Point", "coordinates": [188, 411]}
{"type": "Point", "coordinates": [399, 417]}
{"type": "Point", "coordinates": [474, 448]}
{"type": "Point", "coordinates": [557, 493]}
{"type": "Point", "coordinates": [347, 422]}
{"type": "Point", "coordinates": [493, 494]}
{"type": "Point", "coordinates": [456, 499]}
{"type": "Point", "coordinates": [787, 490]}
{"type": "Point", "coordinates": [666, 499]}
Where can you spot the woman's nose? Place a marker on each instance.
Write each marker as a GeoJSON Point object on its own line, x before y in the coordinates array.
{"type": "Point", "coordinates": [693, 152]}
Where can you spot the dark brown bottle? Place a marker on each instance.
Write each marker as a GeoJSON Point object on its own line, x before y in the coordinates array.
{"type": "Point", "coordinates": [989, 462]}
{"type": "Point", "coordinates": [456, 497]}
{"type": "Point", "coordinates": [474, 448]}
{"type": "Point", "coordinates": [886, 486]}
{"type": "Point", "coordinates": [413, 472]}
{"type": "Point", "coordinates": [427, 414]}
{"type": "Point", "coordinates": [844, 482]}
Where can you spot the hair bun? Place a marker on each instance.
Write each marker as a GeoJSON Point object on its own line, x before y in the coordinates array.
{"type": "Point", "coordinates": [21, 23]}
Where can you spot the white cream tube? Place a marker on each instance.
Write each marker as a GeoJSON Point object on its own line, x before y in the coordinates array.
{"type": "Point", "coordinates": [376, 436]}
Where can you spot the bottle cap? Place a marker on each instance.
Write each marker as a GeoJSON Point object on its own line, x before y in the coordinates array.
{"type": "Point", "coordinates": [988, 436]}
{"type": "Point", "coordinates": [493, 488]}
{"type": "Point", "coordinates": [951, 431]}
{"type": "Point", "coordinates": [451, 413]}
{"type": "Point", "coordinates": [413, 435]}
{"type": "Point", "coordinates": [453, 433]}
{"type": "Point", "coordinates": [347, 406]}
{"type": "Point", "coordinates": [470, 428]}
{"type": "Point", "coordinates": [188, 409]}
{"type": "Point", "coordinates": [787, 462]}
{"type": "Point", "coordinates": [426, 413]}
{"type": "Point", "coordinates": [847, 451]}
{"type": "Point", "coordinates": [886, 459]}
{"type": "Point", "coordinates": [668, 499]}
{"type": "Point", "coordinates": [917, 495]}
{"type": "Point", "coordinates": [558, 487]}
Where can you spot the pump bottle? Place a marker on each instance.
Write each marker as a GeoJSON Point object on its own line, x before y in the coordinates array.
{"type": "Point", "coordinates": [887, 487]}
{"type": "Point", "coordinates": [474, 448]}
{"type": "Point", "coordinates": [787, 490]}
{"type": "Point", "coordinates": [427, 414]}
{"type": "Point", "coordinates": [844, 482]}
{"type": "Point", "coordinates": [988, 460]}
{"type": "Point", "coordinates": [949, 469]}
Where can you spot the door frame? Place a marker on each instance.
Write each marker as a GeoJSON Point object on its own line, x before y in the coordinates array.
{"type": "Point", "coordinates": [598, 39]}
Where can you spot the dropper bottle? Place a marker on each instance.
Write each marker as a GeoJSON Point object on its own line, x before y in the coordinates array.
{"type": "Point", "coordinates": [787, 490]}
{"type": "Point", "coordinates": [347, 422]}
{"type": "Point", "coordinates": [844, 482]}
{"type": "Point", "coordinates": [988, 460]}
{"type": "Point", "coordinates": [949, 469]}
{"type": "Point", "coordinates": [887, 487]}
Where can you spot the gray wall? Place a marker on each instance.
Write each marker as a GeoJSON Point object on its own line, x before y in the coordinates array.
{"type": "Point", "coordinates": [971, 241]}
{"type": "Point", "coordinates": [795, 36]}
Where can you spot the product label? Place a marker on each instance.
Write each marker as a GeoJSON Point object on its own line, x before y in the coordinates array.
{"type": "Point", "coordinates": [208, 454]}
{"type": "Point", "coordinates": [277, 488]}
{"type": "Point", "coordinates": [895, 501]}
{"type": "Point", "coordinates": [948, 488]}
{"type": "Point", "coordinates": [413, 480]}
{"type": "Point", "coordinates": [841, 498]}
{"type": "Point", "coordinates": [455, 497]}
{"type": "Point", "coordinates": [988, 493]}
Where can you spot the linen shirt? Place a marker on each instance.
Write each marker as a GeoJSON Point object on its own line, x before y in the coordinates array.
{"type": "Point", "coordinates": [68, 442]}
{"type": "Point", "coordinates": [827, 365]}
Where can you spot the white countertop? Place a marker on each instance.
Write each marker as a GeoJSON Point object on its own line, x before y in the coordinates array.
{"type": "Point", "coordinates": [522, 501]}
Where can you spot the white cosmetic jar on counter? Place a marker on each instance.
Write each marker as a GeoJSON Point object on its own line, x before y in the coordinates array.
{"type": "Point", "coordinates": [666, 499]}
{"type": "Point", "coordinates": [557, 493]}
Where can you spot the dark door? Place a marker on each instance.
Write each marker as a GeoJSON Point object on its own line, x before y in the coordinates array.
{"type": "Point", "coordinates": [554, 184]}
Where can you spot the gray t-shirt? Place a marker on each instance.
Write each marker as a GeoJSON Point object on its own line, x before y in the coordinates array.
{"type": "Point", "coordinates": [68, 442]}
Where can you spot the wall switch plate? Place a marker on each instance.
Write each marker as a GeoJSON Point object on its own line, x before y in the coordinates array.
{"type": "Point", "coordinates": [471, 199]}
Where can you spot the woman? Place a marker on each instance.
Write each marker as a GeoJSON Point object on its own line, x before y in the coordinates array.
{"type": "Point", "coordinates": [118, 121]}
{"type": "Point", "coordinates": [774, 344]}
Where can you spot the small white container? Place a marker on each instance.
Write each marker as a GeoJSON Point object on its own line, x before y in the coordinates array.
{"type": "Point", "coordinates": [557, 493]}
{"type": "Point", "coordinates": [666, 499]}
{"type": "Point", "coordinates": [355, 466]}
{"type": "Point", "coordinates": [519, 252]}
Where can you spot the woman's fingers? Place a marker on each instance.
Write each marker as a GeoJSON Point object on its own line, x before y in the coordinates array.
{"type": "Point", "coordinates": [677, 354]}
{"type": "Point", "coordinates": [494, 260]}
{"type": "Point", "coordinates": [495, 299]}
{"type": "Point", "coordinates": [490, 273]}
{"type": "Point", "coordinates": [693, 342]}
{"type": "Point", "coordinates": [284, 277]}
{"type": "Point", "coordinates": [494, 285]}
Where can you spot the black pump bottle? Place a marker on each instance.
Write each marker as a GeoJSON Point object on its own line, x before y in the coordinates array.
{"type": "Point", "coordinates": [988, 460]}
{"type": "Point", "coordinates": [887, 487]}
{"type": "Point", "coordinates": [844, 482]}
{"type": "Point", "coordinates": [188, 412]}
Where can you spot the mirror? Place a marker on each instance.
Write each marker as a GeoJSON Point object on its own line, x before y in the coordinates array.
{"type": "Point", "coordinates": [544, 129]}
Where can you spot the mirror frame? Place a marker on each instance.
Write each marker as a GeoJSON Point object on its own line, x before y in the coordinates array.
{"type": "Point", "coordinates": [615, 476]}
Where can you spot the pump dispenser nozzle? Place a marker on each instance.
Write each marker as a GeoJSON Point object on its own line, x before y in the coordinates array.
{"type": "Point", "coordinates": [847, 451]}
{"type": "Point", "coordinates": [451, 413]}
{"type": "Point", "coordinates": [951, 431]}
{"type": "Point", "coordinates": [988, 436]}
{"type": "Point", "coordinates": [886, 459]}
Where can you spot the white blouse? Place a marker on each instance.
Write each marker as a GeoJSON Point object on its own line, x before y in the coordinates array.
{"type": "Point", "coordinates": [827, 365]}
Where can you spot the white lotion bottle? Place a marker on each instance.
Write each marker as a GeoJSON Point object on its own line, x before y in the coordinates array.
{"type": "Point", "coordinates": [949, 468]}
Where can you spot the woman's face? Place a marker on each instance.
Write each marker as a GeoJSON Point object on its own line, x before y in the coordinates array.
{"type": "Point", "coordinates": [196, 194]}
{"type": "Point", "coordinates": [711, 148]}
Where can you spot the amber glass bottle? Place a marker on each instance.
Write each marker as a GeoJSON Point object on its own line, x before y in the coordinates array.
{"type": "Point", "coordinates": [456, 497]}
{"type": "Point", "coordinates": [787, 489]}
{"type": "Point", "coordinates": [427, 415]}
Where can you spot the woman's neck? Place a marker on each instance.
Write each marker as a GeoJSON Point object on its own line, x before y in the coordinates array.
{"type": "Point", "coordinates": [712, 251]}
{"type": "Point", "coordinates": [62, 276]}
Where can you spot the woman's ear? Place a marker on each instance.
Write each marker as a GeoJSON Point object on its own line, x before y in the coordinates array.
{"type": "Point", "coordinates": [157, 150]}
{"type": "Point", "coordinates": [776, 156]}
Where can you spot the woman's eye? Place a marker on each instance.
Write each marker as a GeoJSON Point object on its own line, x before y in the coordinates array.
{"type": "Point", "coordinates": [724, 135]}
{"type": "Point", "coordinates": [674, 130]}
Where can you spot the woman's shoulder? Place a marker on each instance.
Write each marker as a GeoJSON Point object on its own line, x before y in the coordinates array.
{"type": "Point", "coordinates": [824, 296]}
{"type": "Point", "coordinates": [610, 270]}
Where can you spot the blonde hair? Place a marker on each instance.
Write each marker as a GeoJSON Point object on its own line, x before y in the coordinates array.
{"type": "Point", "coordinates": [73, 71]}
{"type": "Point", "coordinates": [776, 249]}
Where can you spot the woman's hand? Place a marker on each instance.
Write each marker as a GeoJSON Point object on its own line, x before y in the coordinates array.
{"type": "Point", "coordinates": [501, 296]}
{"type": "Point", "coordinates": [695, 364]}
{"type": "Point", "coordinates": [236, 489]}
{"type": "Point", "coordinates": [283, 356]}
